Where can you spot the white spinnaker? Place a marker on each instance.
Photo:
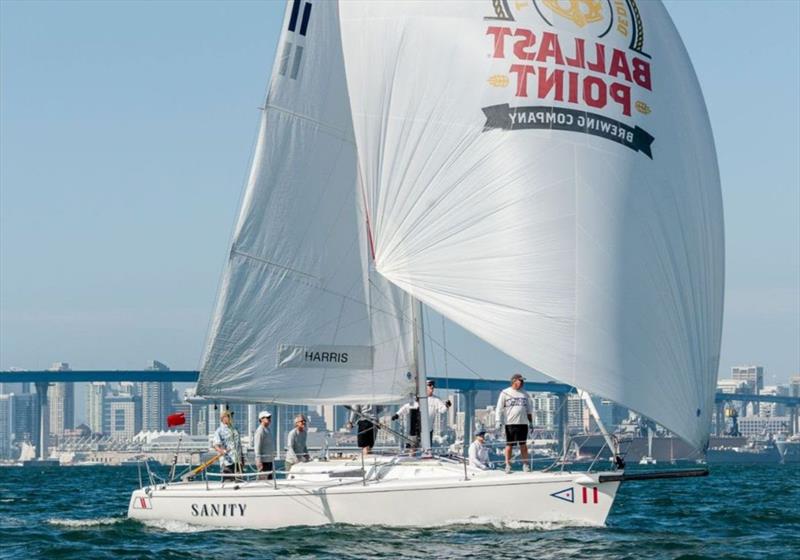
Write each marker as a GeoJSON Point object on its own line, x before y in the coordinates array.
{"type": "Point", "coordinates": [572, 252]}
{"type": "Point", "coordinates": [294, 321]}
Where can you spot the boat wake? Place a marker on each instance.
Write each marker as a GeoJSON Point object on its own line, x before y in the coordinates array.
{"type": "Point", "coordinates": [173, 526]}
{"type": "Point", "coordinates": [81, 523]}
{"type": "Point", "coordinates": [522, 526]}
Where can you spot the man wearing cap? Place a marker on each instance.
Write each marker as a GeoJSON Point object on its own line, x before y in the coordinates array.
{"type": "Point", "coordinates": [263, 447]}
{"type": "Point", "coordinates": [228, 442]}
{"type": "Point", "coordinates": [514, 407]}
{"type": "Point", "coordinates": [435, 406]}
{"type": "Point", "coordinates": [479, 453]}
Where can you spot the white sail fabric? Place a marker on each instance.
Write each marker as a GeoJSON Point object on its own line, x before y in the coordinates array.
{"type": "Point", "coordinates": [295, 320]}
{"type": "Point", "coordinates": [543, 173]}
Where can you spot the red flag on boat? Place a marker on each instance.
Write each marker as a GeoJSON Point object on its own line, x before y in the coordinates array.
{"type": "Point", "coordinates": [176, 419]}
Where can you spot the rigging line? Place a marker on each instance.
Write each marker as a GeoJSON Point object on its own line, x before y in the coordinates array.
{"type": "Point", "coordinates": [271, 263]}
{"type": "Point", "coordinates": [332, 130]}
{"type": "Point", "coordinates": [444, 345]}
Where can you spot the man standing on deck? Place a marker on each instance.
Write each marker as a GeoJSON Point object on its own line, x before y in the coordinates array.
{"type": "Point", "coordinates": [296, 448]}
{"type": "Point", "coordinates": [366, 430]}
{"type": "Point", "coordinates": [514, 406]}
{"type": "Point", "coordinates": [228, 442]}
{"type": "Point", "coordinates": [435, 406]}
{"type": "Point", "coordinates": [263, 448]}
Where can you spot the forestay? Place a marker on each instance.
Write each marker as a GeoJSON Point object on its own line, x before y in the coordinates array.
{"type": "Point", "coordinates": [543, 173]}
{"type": "Point", "coordinates": [300, 318]}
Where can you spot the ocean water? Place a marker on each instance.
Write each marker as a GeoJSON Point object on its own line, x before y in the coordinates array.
{"type": "Point", "coordinates": [739, 511]}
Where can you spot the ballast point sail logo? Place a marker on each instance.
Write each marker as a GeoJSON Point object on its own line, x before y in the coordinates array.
{"type": "Point", "coordinates": [574, 65]}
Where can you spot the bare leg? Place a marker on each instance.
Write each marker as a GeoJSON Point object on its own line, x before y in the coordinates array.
{"type": "Point", "coordinates": [523, 449]}
{"type": "Point", "coordinates": [508, 454]}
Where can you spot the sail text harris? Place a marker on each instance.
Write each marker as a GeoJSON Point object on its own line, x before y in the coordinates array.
{"type": "Point", "coordinates": [354, 357]}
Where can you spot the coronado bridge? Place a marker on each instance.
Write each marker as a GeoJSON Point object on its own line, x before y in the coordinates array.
{"type": "Point", "coordinates": [466, 386]}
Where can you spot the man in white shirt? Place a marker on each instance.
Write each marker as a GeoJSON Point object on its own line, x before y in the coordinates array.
{"type": "Point", "coordinates": [479, 453]}
{"type": "Point", "coordinates": [515, 409]}
{"type": "Point", "coordinates": [435, 406]}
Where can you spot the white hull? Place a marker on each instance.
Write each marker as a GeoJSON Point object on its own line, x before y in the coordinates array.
{"type": "Point", "coordinates": [426, 493]}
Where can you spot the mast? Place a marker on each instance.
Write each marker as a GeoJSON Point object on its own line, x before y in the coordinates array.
{"type": "Point", "coordinates": [421, 376]}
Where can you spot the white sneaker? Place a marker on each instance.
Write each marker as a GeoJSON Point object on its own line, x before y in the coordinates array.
{"type": "Point", "coordinates": [508, 468]}
{"type": "Point", "coordinates": [526, 467]}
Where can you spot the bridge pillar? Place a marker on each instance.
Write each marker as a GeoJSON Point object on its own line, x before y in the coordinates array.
{"type": "Point", "coordinates": [469, 418]}
{"type": "Point", "coordinates": [43, 420]}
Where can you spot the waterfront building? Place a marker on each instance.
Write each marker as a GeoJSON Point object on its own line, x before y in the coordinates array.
{"type": "Point", "coordinates": [774, 409]}
{"type": "Point", "coordinates": [762, 428]}
{"type": "Point", "coordinates": [95, 401]}
{"type": "Point", "coordinates": [61, 398]}
{"type": "Point", "coordinates": [156, 400]}
{"type": "Point", "coordinates": [6, 426]}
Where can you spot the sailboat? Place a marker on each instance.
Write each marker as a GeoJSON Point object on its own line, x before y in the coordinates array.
{"type": "Point", "coordinates": [541, 173]}
{"type": "Point", "coordinates": [648, 459]}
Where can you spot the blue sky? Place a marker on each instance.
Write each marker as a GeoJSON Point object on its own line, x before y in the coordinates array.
{"type": "Point", "coordinates": [126, 130]}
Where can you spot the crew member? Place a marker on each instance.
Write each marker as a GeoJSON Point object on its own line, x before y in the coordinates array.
{"type": "Point", "coordinates": [228, 442]}
{"type": "Point", "coordinates": [263, 447]}
{"type": "Point", "coordinates": [296, 448]}
{"type": "Point", "coordinates": [362, 416]}
{"type": "Point", "coordinates": [479, 452]}
{"type": "Point", "coordinates": [435, 406]}
{"type": "Point", "coordinates": [514, 407]}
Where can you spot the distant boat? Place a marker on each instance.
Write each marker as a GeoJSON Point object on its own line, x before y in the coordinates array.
{"type": "Point", "coordinates": [544, 178]}
{"type": "Point", "coordinates": [789, 448]}
{"type": "Point", "coordinates": [648, 459]}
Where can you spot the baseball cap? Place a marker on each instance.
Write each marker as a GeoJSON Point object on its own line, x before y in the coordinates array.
{"type": "Point", "coordinates": [517, 376]}
{"type": "Point", "coordinates": [431, 382]}
{"type": "Point", "coordinates": [481, 433]}
{"type": "Point", "coordinates": [264, 414]}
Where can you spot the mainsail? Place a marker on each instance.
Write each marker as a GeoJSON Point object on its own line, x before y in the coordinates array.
{"type": "Point", "coordinates": [301, 317]}
{"type": "Point", "coordinates": [543, 173]}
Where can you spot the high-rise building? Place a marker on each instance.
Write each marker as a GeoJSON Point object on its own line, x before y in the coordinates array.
{"type": "Point", "coordinates": [545, 406]}
{"type": "Point", "coordinates": [156, 400]}
{"type": "Point", "coordinates": [335, 416]}
{"type": "Point", "coordinates": [95, 400]}
{"type": "Point", "coordinates": [26, 416]}
{"type": "Point", "coordinates": [122, 413]}
{"type": "Point", "coordinates": [61, 397]}
{"type": "Point", "coordinates": [754, 376]}
{"type": "Point", "coordinates": [6, 426]}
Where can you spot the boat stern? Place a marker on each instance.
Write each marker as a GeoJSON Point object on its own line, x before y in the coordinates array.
{"type": "Point", "coordinates": [140, 505]}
